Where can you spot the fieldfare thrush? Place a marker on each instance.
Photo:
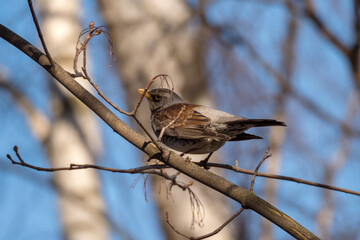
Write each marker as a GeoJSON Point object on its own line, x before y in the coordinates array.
{"type": "Point", "coordinates": [196, 129]}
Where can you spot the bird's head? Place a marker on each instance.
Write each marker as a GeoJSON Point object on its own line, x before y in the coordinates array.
{"type": "Point", "coordinates": [161, 98]}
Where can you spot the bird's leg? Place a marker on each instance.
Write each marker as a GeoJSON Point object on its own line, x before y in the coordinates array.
{"type": "Point", "coordinates": [204, 162]}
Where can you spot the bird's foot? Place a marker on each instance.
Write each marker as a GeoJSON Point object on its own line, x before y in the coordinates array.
{"type": "Point", "coordinates": [203, 163]}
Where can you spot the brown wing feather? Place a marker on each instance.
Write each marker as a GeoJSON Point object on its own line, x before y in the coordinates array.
{"type": "Point", "coordinates": [189, 124]}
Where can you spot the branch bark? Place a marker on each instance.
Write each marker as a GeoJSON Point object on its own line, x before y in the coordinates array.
{"type": "Point", "coordinates": [246, 198]}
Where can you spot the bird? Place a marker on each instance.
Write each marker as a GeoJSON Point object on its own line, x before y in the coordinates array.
{"type": "Point", "coordinates": [196, 129]}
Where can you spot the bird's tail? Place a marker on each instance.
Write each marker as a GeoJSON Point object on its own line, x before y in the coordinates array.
{"type": "Point", "coordinates": [236, 129]}
{"type": "Point", "coordinates": [244, 137]}
{"type": "Point", "coordinates": [261, 122]}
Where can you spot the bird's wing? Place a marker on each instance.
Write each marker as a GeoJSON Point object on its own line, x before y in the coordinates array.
{"type": "Point", "coordinates": [183, 121]}
{"type": "Point", "coordinates": [232, 125]}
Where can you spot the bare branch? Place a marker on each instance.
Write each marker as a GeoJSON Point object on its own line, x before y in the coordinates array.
{"type": "Point", "coordinates": [197, 209]}
{"type": "Point", "coordinates": [208, 234]}
{"type": "Point", "coordinates": [163, 78]}
{"type": "Point", "coordinates": [170, 123]}
{"type": "Point", "coordinates": [266, 156]}
{"type": "Point", "coordinates": [221, 227]}
{"type": "Point", "coordinates": [285, 178]}
{"type": "Point", "coordinates": [173, 228]}
{"type": "Point", "coordinates": [74, 166]}
{"type": "Point", "coordinates": [147, 133]}
{"type": "Point", "coordinates": [145, 169]}
{"type": "Point", "coordinates": [94, 31]}
{"type": "Point", "coordinates": [38, 29]}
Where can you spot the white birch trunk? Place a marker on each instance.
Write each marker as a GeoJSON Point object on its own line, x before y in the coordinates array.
{"type": "Point", "coordinates": [75, 136]}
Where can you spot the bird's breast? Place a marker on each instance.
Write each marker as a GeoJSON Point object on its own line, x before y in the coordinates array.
{"type": "Point", "coordinates": [192, 146]}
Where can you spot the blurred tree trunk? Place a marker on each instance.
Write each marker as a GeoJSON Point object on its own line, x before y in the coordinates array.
{"type": "Point", "coordinates": [74, 136]}
{"type": "Point", "coordinates": [152, 37]}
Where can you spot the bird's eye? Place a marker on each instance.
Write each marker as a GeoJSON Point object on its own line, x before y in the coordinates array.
{"type": "Point", "coordinates": [157, 97]}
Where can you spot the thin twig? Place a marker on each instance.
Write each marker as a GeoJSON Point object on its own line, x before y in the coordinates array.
{"type": "Point", "coordinates": [74, 166]}
{"type": "Point", "coordinates": [132, 113]}
{"type": "Point", "coordinates": [170, 123]}
{"type": "Point", "coordinates": [16, 149]}
{"type": "Point", "coordinates": [208, 234]}
{"type": "Point", "coordinates": [221, 227]}
{"type": "Point", "coordinates": [150, 169]}
{"type": "Point", "coordinates": [91, 32]}
{"type": "Point", "coordinates": [147, 133]}
{"type": "Point", "coordinates": [285, 178]}
{"type": "Point", "coordinates": [162, 166]}
{"type": "Point", "coordinates": [266, 156]}
{"type": "Point", "coordinates": [38, 29]}
{"type": "Point", "coordinates": [173, 228]}
{"type": "Point", "coordinates": [152, 80]}
{"type": "Point", "coordinates": [197, 209]}
{"type": "Point", "coordinates": [100, 93]}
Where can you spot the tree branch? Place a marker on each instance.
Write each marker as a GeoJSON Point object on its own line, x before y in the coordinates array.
{"type": "Point", "coordinates": [38, 29]}
{"type": "Point", "coordinates": [266, 156]}
{"type": "Point", "coordinates": [144, 169]}
{"type": "Point", "coordinates": [217, 230]}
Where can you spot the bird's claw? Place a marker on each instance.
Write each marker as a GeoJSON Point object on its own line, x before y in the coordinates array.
{"type": "Point", "coordinates": [203, 163]}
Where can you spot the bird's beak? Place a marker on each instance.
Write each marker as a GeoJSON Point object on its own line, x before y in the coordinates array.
{"type": "Point", "coordinates": [141, 91]}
